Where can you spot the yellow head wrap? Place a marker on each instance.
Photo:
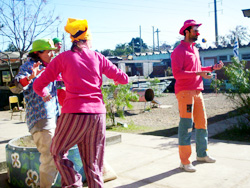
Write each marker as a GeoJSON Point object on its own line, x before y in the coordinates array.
{"type": "Point", "coordinates": [78, 29]}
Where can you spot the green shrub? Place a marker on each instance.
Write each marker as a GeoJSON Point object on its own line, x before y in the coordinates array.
{"type": "Point", "coordinates": [239, 79]}
{"type": "Point", "coordinates": [116, 98]}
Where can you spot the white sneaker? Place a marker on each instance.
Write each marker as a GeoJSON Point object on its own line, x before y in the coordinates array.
{"type": "Point", "coordinates": [206, 159]}
{"type": "Point", "coordinates": [188, 167]}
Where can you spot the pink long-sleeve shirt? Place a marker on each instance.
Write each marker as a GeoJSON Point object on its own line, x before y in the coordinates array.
{"type": "Point", "coordinates": [185, 63]}
{"type": "Point", "coordinates": [82, 76]}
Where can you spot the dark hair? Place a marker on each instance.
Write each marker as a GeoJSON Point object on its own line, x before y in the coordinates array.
{"type": "Point", "coordinates": [74, 45]}
{"type": "Point", "coordinates": [187, 29]}
{"type": "Point", "coordinates": [34, 56]}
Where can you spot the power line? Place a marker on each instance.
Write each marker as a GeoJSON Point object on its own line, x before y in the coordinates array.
{"type": "Point", "coordinates": [116, 32]}
{"type": "Point", "coordinates": [142, 6]}
{"type": "Point", "coordinates": [166, 10]}
{"type": "Point", "coordinates": [120, 4]}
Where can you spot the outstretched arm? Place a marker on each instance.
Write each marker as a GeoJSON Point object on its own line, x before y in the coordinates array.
{"type": "Point", "coordinates": [204, 74]}
{"type": "Point", "coordinates": [112, 72]}
{"type": "Point", "coordinates": [218, 66]}
{"type": "Point", "coordinates": [50, 74]}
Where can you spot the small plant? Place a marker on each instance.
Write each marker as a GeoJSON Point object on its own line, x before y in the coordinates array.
{"type": "Point", "coordinates": [116, 98]}
{"type": "Point", "coordinates": [217, 85]}
{"type": "Point", "coordinates": [132, 128]}
{"type": "Point", "coordinates": [239, 79]}
{"type": "Point", "coordinates": [148, 109]}
{"type": "Point", "coordinates": [154, 86]}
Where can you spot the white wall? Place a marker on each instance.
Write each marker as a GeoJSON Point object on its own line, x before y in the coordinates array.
{"type": "Point", "coordinates": [222, 52]}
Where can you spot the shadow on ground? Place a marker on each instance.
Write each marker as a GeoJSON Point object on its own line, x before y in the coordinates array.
{"type": "Point", "coordinates": [163, 132]}
{"type": "Point", "coordinates": [221, 117]}
{"type": "Point", "coordinates": [152, 179]}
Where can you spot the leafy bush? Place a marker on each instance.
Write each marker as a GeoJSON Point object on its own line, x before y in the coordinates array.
{"type": "Point", "coordinates": [239, 78]}
{"type": "Point", "coordinates": [116, 98]}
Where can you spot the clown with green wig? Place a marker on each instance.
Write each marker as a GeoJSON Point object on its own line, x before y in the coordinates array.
{"type": "Point", "coordinates": [58, 45]}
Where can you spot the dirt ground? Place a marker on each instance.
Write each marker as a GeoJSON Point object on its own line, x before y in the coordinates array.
{"type": "Point", "coordinates": [166, 116]}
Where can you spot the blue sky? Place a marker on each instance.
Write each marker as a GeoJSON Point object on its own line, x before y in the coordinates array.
{"type": "Point", "coordinates": [114, 22]}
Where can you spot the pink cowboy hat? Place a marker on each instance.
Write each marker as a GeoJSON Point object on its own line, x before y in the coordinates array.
{"type": "Point", "coordinates": [188, 23]}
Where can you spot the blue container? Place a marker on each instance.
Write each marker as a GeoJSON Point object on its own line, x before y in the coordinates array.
{"type": "Point", "coordinates": [23, 162]}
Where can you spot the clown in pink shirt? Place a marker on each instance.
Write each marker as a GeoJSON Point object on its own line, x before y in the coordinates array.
{"type": "Point", "coordinates": [188, 72]}
{"type": "Point", "coordinates": [83, 118]}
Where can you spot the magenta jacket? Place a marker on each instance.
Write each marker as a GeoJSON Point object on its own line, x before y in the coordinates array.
{"type": "Point", "coordinates": [82, 76]}
{"type": "Point", "coordinates": [185, 63]}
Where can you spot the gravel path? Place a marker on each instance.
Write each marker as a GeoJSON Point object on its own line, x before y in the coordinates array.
{"type": "Point", "coordinates": [167, 115]}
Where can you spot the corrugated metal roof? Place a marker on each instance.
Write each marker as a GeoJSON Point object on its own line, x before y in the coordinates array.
{"type": "Point", "coordinates": [139, 61]}
{"type": "Point", "coordinates": [12, 55]}
{"type": "Point", "coordinates": [223, 48]}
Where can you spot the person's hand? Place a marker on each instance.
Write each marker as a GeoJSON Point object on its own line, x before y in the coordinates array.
{"type": "Point", "coordinates": [36, 70]}
{"type": "Point", "coordinates": [218, 66]}
{"type": "Point", "coordinates": [205, 74]}
{"type": "Point", "coordinates": [47, 98]}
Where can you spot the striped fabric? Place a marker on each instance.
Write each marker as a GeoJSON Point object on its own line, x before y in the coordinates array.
{"type": "Point", "coordinates": [88, 132]}
{"type": "Point", "coordinates": [192, 110]}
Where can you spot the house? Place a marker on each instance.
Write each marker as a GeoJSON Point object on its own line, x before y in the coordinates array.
{"type": "Point", "coordinates": [155, 64]}
{"type": "Point", "coordinates": [211, 56]}
{"type": "Point", "coordinates": [138, 67]}
{"type": "Point", "coordinates": [9, 65]}
{"type": "Point", "coordinates": [148, 64]}
{"type": "Point", "coordinates": [8, 61]}
{"type": "Point", "coordinates": [159, 67]}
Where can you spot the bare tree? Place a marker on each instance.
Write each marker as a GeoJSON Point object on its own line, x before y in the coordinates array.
{"type": "Point", "coordinates": [24, 21]}
{"type": "Point", "coordinates": [164, 46]}
{"type": "Point", "coordinates": [239, 32]}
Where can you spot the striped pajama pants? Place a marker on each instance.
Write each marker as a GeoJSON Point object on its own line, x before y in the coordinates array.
{"type": "Point", "coordinates": [88, 132]}
{"type": "Point", "coordinates": [192, 110]}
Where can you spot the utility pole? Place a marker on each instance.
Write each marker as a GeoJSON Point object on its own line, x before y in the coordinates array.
{"type": "Point", "coordinates": [153, 38]}
{"type": "Point", "coordinates": [133, 44]}
{"type": "Point", "coordinates": [140, 40]}
{"type": "Point", "coordinates": [216, 28]}
{"type": "Point", "coordinates": [63, 39]}
{"type": "Point", "coordinates": [215, 20]}
{"type": "Point", "coordinates": [157, 31]}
